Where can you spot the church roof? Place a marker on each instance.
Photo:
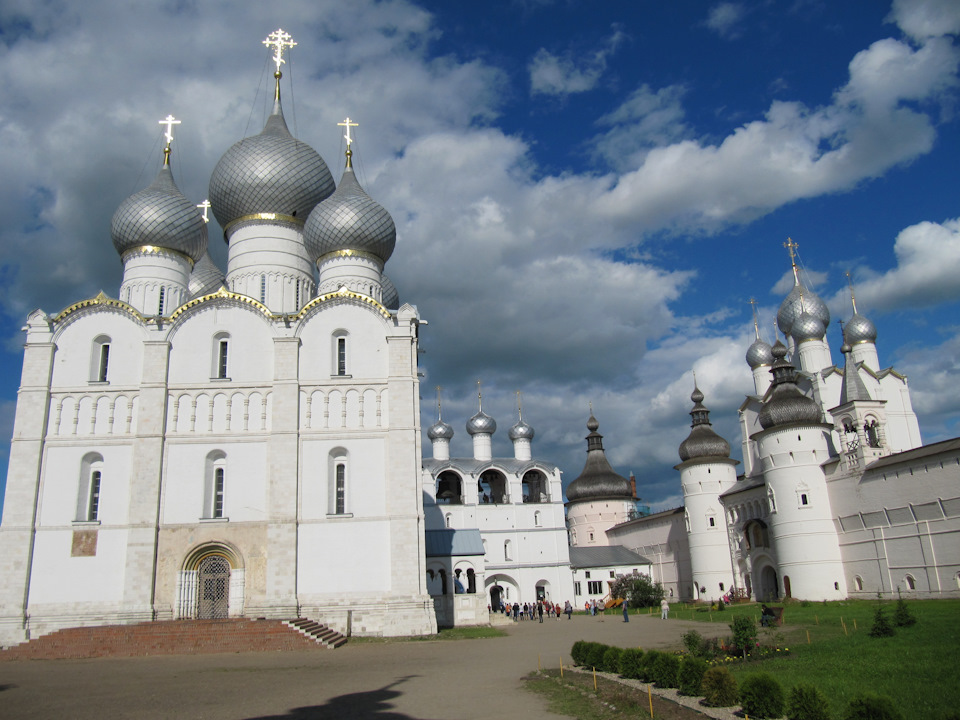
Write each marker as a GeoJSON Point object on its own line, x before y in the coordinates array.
{"type": "Point", "coordinates": [852, 387]}
{"type": "Point", "coordinates": [907, 456]}
{"type": "Point", "coordinates": [447, 543]}
{"type": "Point", "coordinates": [598, 479]}
{"type": "Point", "coordinates": [586, 557]}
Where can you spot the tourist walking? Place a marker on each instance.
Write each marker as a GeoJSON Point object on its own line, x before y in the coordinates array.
{"type": "Point", "coordinates": [568, 609]}
{"type": "Point", "coordinates": [626, 617]}
{"type": "Point", "coordinates": [664, 609]}
{"type": "Point", "coordinates": [540, 610]}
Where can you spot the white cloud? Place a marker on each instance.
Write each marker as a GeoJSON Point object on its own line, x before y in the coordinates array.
{"type": "Point", "coordinates": [923, 19]}
{"type": "Point", "coordinates": [725, 19]}
{"type": "Point", "coordinates": [551, 74]}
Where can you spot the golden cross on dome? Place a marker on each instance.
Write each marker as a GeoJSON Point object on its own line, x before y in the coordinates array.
{"type": "Point", "coordinates": [853, 298]}
{"type": "Point", "coordinates": [756, 322]}
{"type": "Point", "coordinates": [348, 124]}
{"type": "Point", "coordinates": [439, 406]}
{"type": "Point", "coordinates": [169, 121]}
{"type": "Point", "coordinates": [520, 404]}
{"type": "Point", "coordinates": [205, 206]}
{"type": "Point", "coordinates": [279, 40]}
{"type": "Point", "coordinates": [479, 396]}
{"type": "Point", "coordinates": [791, 247]}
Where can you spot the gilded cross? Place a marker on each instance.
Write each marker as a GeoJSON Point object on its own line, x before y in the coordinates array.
{"type": "Point", "coordinates": [348, 124]}
{"type": "Point", "coordinates": [279, 40]}
{"type": "Point", "coordinates": [205, 206]}
{"type": "Point", "coordinates": [169, 121]}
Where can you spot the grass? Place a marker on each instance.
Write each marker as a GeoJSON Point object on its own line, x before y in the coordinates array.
{"type": "Point", "coordinates": [918, 667]}
{"type": "Point", "coordinates": [460, 633]}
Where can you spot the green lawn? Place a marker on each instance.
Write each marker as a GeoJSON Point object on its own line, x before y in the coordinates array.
{"type": "Point", "coordinates": [919, 667]}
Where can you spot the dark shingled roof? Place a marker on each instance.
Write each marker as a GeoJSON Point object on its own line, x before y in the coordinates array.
{"type": "Point", "coordinates": [585, 557]}
{"type": "Point", "coordinates": [598, 481]}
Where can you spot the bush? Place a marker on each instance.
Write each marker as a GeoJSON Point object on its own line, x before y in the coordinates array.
{"type": "Point", "coordinates": [881, 626]}
{"type": "Point", "coordinates": [720, 605]}
{"type": "Point", "coordinates": [744, 634]}
{"type": "Point", "coordinates": [639, 590]}
{"type": "Point", "coordinates": [611, 660]}
{"type": "Point", "coordinates": [691, 675]}
{"type": "Point", "coordinates": [578, 652]}
{"type": "Point", "coordinates": [761, 696]}
{"type": "Point", "coordinates": [807, 703]}
{"type": "Point", "coordinates": [692, 641]}
{"type": "Point", "coordinates": [665, 670]}
{"type": "Point", "coordinates": [631, 663]}
{"type": "Point", "coordinates": [646, 665]}
{"type": "Point", "coordinates": [595, 655]}
{"type": "Point", "coordinates": [868, 706]}
{"type": "Point", "coordinates": [719, 688]}
{"type": "Point", "coordinates": [902, 616]}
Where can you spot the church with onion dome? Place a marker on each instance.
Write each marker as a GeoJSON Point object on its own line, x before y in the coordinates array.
{"type": "Point", "coordinates": [837, 496]}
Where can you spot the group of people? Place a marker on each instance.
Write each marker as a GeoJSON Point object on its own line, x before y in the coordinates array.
{"type": "Point", "coordinates": [534, 611]}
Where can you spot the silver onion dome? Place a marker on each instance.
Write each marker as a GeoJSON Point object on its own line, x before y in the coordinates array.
{"type": "Point", "coordinates": [481, 423]}
{"type": "Point", "coordinates": [793, 305]}
{"type": "Point", "coordinates": [702, 440]}
{"type": "Point", "coordinates": [162, 217]}
{"type": "Point", "coordinates": [350, 220]}
{"type": "Point", "coordinates": [272, 172]}
{"type": "Point", "coordinates": [439, 430]}
{"type": "Point", "coordinates": [807, 327]}
{"type": "Point", "coordinates": [389, 297]}
{"type": "Point", "coordinates": [786, 405]}
{"type": "Point", "coordinates": [859, 330]}
{"type": "Point", "coordinates": [759, 354]}
{"type": "Point", "coordinates": [206, 277]}
{"type": "Point", "coordinates": [598, 481]}
{"type": "Point", "coordinates": [521, 430]}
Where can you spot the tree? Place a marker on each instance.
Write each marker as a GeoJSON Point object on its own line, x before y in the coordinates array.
{"type": "Point", "coordinates": [638, 590]}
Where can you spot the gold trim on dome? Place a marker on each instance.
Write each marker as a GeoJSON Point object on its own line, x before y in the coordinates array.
{"type": "Point", "coordinates": [348, 253]}
{"type": "Point", "coordinates": [263, 216]}
{"type": "Point", "coordinates": [343, 293]}
{"type": "Point", "coordinates": [224, 294]}
{"type": "Point", "coordinates": [155, 250]}
{"type": "Point", "coordinates": [100, 299]}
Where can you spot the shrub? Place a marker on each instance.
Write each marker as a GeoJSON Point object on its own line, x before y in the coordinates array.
{"type": "Point", "coordinates": [631, 663]}
{"type": "Point", "coordinates": [719, 687]}
{"type": "Point", "coordinates": [744, 633]}
{"type": "Point", "coordinates": [881, 626]}
{"type": "Point", "coordinates": [646, 665]}
{"type": "Point", "coordinates": [611, 660]}
{"type": "Point", "coordinates": [691, 675]}
{"type": "Point", "coordinates": [692, 641]}
{"type": "Point", "coordinates": [720, 605]}
{"type": "Point", "coordinates": [761, 696]}
{"type": "Point", "coordinates": [595, 655]}
{"type": "Point", "coordinates": [807, 703]}
{"type": "Point", "coordinates": [868, 706]}
{"type": "Point", "coordinates": [665, 670]}
{"type": "Point", "coordinates": [902, 616]}
{"type": "Point", "coordinates": [578, 652]}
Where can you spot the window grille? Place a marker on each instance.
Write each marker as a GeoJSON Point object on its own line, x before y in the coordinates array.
{"type": "Point", "coordinates": [218, 493]}
{"type": "Point", "coordinates": [93, 508]}
{"type": "Point", "coordinates": [341, 489]}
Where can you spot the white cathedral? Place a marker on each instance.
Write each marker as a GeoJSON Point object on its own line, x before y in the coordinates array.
{"type": "Point", "coordinates": [212, 445]}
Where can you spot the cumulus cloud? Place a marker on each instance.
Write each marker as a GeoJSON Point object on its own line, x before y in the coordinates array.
{"type": "Point", "coordinates": [922, 19]}
{"type": "Point", "coordinates": [552, 74]}
{"type": "Point", "coordinates": [725, 19]}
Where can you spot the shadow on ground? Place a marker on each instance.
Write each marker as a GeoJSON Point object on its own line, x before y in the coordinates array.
{"type": "Point", "coordinates": [370, 705]}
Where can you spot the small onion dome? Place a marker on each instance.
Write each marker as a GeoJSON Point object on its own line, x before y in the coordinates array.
{"type": "Point", "coordinates": [859, 330]}
{"type": "Point", "coordinates": [759, 354]}
{"type": "Point", "coordinates": [793, 305]}
{"type": "Point", "coordinates": [702, 440]}
{"type": "Point", "coordinates": [521, 430]}
{"type": "Point", "coordinates": [440, 430]}
{"type": "Point", "coordinates": [350, 220]}
{"type": "Point", "coordinates": [807, 327]}
{"type": "Point", "coordinates": [160, 216]}
{"type": "Point", "coordinates": [481, 423]}
{"type": "Point", "coordinates": [206, 277]}
{"type": "Point", "coordinates": [786, 405]}
{"type": "Point", "coordinates": [389, 297]}
{"type": "Point", "coordinates": [598, 481]}
{"type": "Point", "coordinates": [272, 172]}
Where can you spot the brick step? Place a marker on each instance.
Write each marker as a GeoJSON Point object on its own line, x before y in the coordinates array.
{"type": "Point", "coordinates": [320, 633]}
{"type": "Point", "coordinates": [174, 637]}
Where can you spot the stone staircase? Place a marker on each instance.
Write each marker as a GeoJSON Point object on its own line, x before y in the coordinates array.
{"type": "Point", "coordinates": [317, 632]}
{"type": "Point", "coordinates": [176, 637]}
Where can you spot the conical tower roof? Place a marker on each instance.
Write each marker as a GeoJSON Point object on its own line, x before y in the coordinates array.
{"type": "Point", "coordinates": [598, 481]}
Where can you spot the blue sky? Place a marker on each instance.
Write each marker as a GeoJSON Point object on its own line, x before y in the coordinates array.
{"type": "Point", "coordinates": [587, 195]}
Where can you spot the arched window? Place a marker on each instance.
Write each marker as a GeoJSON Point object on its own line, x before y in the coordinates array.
{"type": "Point", "coordinates": [449, 488]}
{"type": "Point", "coordinates": [858, 582]}
{"type": "Point", "coordinates": [910, 582]}
{"type": "Point", "coordinates": [89, 488]}
{"type": "Point", "coordinates": [221, 351]}
{"type": "Point", "coordinates": [100, 359]}
{"type": "Point", "coordinates": [534, 487]}
{"type": "Point", "coordinates": [492, 488]}
{"type": "Point", "coordinates": [446, 520]}
{"type": "Point", "coordinates": [471, 581]}
{"type": "Point", "coordinates": [537, 520]}
{"type": "Point", "coordinates": [340, 353]}
{"type": "Point", "coordinates": [507, 551]}
{"type": "Point", "coordinates": [872, 430]}
{"type": "Point", "coordinates": [215, 486]}
{"type": "Point", "coordinates": [163, 297]}
{"type": "Point", "coordinates": [443, 581]}
{"type": "Point", "coordinates": [339, 475]}
{"type": "Point", "coordinates": [263, 288]}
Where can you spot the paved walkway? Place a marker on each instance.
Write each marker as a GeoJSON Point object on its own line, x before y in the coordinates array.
{"type": "Point", "coordinates": [424, 680]}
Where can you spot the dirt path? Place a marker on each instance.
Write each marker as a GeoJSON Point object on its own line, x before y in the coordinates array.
{"type": "Point", "coordinates": [432, 680]}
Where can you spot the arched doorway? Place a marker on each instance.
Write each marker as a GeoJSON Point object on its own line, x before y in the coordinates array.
{"type": "Point", "coordinates": [213, 580]}
{"type": "Point", "coordinates": [496, 594]}
{"type": "Point", "coordinates": [769, 588]}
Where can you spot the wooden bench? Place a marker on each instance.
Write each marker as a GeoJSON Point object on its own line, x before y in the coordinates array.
{"type": "Point", "coordinates": [775, 617]}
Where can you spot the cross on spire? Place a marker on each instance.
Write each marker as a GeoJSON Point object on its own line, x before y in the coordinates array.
{"type": "Point", "coordinates": [853, 298]}
{"type": "Point", "coordinates": [348, 124]}
{"type": "Point", "coordinates": [439, 406]}
{"type": "Point", "coordinates": [169, 121]}
{"type": "Point", "coordinates": [520, 404]}
{"type": "Point", "coordinates": [791, 247]}
{"type": "Point", "coordinates": [279, 39]}
{"type": "Point", "coordinates": [756, 322]}
{"type": "Point", "coordinates": [205, 206]}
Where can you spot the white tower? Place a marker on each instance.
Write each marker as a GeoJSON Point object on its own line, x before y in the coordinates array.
{"type": "Point", "coordinates": [792, 447]}
{"type": "Point", "coordinates": [707, 471]}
